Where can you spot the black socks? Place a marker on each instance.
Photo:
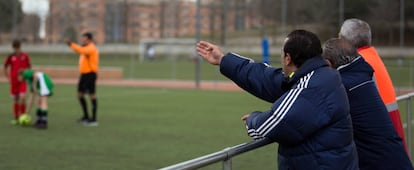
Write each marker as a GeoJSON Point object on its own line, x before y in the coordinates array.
{"type": "Point", "coordinates": [94, 103]}
{"type": "Point", "coordinates": [82, 101]}
{"type": "Point", "coordinates": [94, 108]}
{"type": "Point", "coordinates": [41, 116]}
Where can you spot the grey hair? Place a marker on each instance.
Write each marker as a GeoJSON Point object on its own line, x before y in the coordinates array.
{"type": "Point", "coordinates": [357, 32]}
{"type": "Point", "coordinates": [339, 52]}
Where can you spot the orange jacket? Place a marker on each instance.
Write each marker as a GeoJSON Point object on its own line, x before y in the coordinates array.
{"type": "Point", "coordinates": [88, 57]}
{"type": "Point", "coordinates": [385, 87]}
{"type": "Point", "coordinates": [382, 78]}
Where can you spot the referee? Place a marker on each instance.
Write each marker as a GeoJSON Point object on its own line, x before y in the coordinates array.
{"type": "Point", "coordinates": [88, 67]}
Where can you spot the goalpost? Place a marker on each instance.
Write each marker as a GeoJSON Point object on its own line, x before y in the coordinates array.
{"type": "Point", "coordinates": [170, 47]}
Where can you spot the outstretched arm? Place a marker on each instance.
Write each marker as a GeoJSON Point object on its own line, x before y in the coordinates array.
{"type": "Point", "coordinates": [210, 52]}
{"type": "Point", "coordinates": [256, 78]}
{"type": "Point", "coordinates": [30, 102]}
{"type": "Point", "coordinates": [85, 50]}
{"type": "Point", "coordinates": [33, 92]}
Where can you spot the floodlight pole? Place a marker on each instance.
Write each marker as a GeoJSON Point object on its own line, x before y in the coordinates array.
{"type": "Point", "coordinates": [284, 16]}
{"type": "Point", "coordinates": [224, 22]}
{"type": "Point", "coordinates": [197, 38]}
{"type": "Point", "coordinates": [341, 12]}
{"type": "Point", "coordinates": [402, 25]}
{"type": "Point", "coordinates": [14, 17]}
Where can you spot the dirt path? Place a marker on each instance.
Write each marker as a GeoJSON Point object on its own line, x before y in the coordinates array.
{"type": "Point", "coordinates": [176, 84]}
{"type": "Point", "coordinates": [204, 85]}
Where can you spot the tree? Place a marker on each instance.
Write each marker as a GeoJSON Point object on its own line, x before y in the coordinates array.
{"type": "Point", "coordinates": [11, 14]}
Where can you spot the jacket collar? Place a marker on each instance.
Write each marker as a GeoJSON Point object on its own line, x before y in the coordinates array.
{"type": "Point", "coordinates": [307, 67]}
{"type": "Point", "coordinates": [357, 65]}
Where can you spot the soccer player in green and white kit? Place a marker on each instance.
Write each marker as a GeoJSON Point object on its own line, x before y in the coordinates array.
{"type": "Point", "coordinates": [41, 85]}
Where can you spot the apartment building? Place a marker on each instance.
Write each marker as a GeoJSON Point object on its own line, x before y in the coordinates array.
{"type": "Point", "coordinates": [71, 18]}
{"type": "Point", "coordinates": [129, 21]}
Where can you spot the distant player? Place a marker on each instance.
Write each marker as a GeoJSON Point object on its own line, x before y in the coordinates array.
{"type": "Point", "coordinates": [40, 85]}
{"type": "Point", "coordinates": [14, 63]}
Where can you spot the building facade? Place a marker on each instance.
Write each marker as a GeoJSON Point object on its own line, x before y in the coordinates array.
{"type": "Point", "coordinates": [129, 21]}
{"type": "Point", "coordinates": [71, 18]}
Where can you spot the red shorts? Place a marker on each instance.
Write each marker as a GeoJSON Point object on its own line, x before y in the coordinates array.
{"type": "Point", "coordinates": [18, 88]}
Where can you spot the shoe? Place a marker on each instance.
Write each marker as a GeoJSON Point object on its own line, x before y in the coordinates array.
{"type": "Point", "coordinates": [14, 122]}
{"type": "Point", "coordinates": [40, 125]}
{"type": "Point", "coordinates": [83, 121]}
{"type": "Point", "coordinates": [92, 123]}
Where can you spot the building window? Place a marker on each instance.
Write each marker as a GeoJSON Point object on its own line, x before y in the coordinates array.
{"type": "Point", "coordinates": [63, 5]}
{"type": "Point", "coordinates": [92, 24]}
{"type": "Point", "coordinates": [92, 5]}
{"type": "Point", "coordinates": [144, 15]}
{"type": "Point", "coordinates": [135, 34]}
{"type": "Point", "coordinates": [93, 14]}
{"type": "Point", "coordinates": [134, 24]}
{"type": "Point", "coordinates": [135, 14]}
{"type": "Point", "coordinates": [94, 34]}
{"type": "Point", "coordinates": [152, 16]}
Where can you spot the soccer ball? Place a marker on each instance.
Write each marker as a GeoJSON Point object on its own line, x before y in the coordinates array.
{"type": "Point", "coordinates": [25, 120]}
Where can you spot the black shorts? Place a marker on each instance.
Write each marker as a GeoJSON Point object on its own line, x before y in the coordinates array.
{"type": "Point", "coordinates": [87, 83]}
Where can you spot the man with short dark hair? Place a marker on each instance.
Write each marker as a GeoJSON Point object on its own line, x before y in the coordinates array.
{"type": "Point", "coordinates": [377, 142]}
{"type": "Point", "coordinates": [88, 67]}
{"type": "Point", "coordinates": [309, 117]}
{"type": "Point", "coordinates": [14, 63]}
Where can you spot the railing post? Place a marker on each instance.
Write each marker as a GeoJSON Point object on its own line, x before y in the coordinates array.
{"type": "Point", "coordinates": [227, 164]}
{"type": "Point", "coordinates": [409, 124]}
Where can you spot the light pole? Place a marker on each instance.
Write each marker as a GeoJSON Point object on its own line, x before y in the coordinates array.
{"type": "Point", "coordinates": [224, 22]}
{"type": "Point", "coordinates": [341, 12]}
{"type": "Point", "coordinates": [14, 17]}
{"type": "Point", "coordinates": [402, 25]}
{"type": "Point", "coordinates": [283, 15]}
{"type": "Point", "coordinates": [197, 38]}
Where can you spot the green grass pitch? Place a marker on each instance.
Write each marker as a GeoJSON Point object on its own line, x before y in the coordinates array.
{"type": "Point", "coordinates": [144, 128]}
{"type": "Point", "coordinates": [140, 128]}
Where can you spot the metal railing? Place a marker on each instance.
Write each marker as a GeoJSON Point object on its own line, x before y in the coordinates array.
{"type": "Point", "coordinates": [225, 155]}
{"type": "Point", "coordinates": [409, 123]}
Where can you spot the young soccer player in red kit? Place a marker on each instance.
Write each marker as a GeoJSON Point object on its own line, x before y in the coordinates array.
{"type": "Point", "coordinates": [15, 62]}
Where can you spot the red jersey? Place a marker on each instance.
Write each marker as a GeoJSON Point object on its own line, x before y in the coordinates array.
{"type": "Point", "coordinates": [16, 62]}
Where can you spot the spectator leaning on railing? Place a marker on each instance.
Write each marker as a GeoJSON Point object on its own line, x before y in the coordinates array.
{"type": "Point", "coordinates": [377, 142]}
{"type": "Point", "coordinates": [309, 117]}
{"type": "Point", "coordinates": [358, 33]}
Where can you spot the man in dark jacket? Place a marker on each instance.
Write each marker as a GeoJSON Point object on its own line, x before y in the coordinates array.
{"type": "Point", "coordinates": [378, 144]}
{"type": "Point", "coordinates": [309, 117]}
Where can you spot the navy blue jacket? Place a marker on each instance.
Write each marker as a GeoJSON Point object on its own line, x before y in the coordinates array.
{"type": "Point", "coordinates": [378, 144]}
{"type": "Point", "coordinates": [309, 117]}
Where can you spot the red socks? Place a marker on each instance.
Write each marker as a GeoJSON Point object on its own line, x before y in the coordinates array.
{"type": "Point", "coordinates": [18, 109]}
{"type": "Point", "coordinates": [22, 108]}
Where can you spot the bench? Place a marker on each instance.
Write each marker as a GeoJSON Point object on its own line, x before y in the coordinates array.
{"type": "Point", "coordinates": [70, 72]}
